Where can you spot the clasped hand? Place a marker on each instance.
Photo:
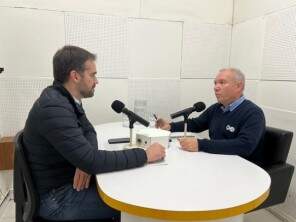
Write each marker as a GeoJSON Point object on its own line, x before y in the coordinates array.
{"type": "Point", "coordinates": [189, 144]}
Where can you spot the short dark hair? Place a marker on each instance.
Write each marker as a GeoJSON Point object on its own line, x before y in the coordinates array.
{"type": "Point", "coordinates": [70, 58]}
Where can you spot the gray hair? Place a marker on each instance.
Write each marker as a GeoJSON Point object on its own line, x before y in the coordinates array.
{"type": "Point", "coordinates": [238, 74]}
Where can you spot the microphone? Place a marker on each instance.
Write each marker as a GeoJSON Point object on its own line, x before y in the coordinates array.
{"type": "Point", "coordinates": [119, 107]}
{"type": "Point", "coordinates": [198, 107]}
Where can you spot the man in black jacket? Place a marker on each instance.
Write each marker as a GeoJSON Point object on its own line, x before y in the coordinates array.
{"type": "Point", "coordinates": [61, 144]}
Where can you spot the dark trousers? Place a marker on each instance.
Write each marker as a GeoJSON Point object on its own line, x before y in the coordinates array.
{"type": "Point", "coordinates": [65, 203]}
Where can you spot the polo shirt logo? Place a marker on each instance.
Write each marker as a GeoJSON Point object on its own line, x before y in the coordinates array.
{"type": "Point", "coordinates": [230, 128]}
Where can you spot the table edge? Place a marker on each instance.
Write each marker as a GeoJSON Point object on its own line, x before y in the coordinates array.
{"type": "Point", "coordinates": [182, 215]}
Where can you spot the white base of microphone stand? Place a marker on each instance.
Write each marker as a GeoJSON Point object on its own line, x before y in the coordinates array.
{"type": "Point", "coordinates": [130, 146]}
{"type": "Point", "coordinates": [132, 141]}
{"type": "Point", "coordinates": [188, 136]}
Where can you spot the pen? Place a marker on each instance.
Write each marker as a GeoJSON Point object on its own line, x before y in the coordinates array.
{"type": "Point", "coordinates": [155, 116]}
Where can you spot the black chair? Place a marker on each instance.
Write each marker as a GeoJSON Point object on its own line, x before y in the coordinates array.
{"type": "Point", "coordinates": [25, 198]}
{"type": "Point", "coordinates": [272, 155]}
{"type": "Point", "coordinates": [25, 195]}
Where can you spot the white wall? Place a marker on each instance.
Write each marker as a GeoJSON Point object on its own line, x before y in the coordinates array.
{"type": "Point", "coordinates": [264, 46]}
{"type": "Point", "coordinates": [180, 43]}
{"type": "Point", "coordinates": [147, 50]}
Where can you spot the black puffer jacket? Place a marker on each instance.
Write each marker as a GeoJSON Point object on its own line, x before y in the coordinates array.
{"type": "Point", "coordinates": [58, 138]}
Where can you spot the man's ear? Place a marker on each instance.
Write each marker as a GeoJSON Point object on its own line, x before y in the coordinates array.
{"type": "Point", "coordinates": [74, 76]}
{"type": "Point", "coordinates": [240, 85]}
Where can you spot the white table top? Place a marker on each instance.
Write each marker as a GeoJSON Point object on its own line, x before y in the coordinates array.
{"type": "Point", "coordinates": [187, 185]}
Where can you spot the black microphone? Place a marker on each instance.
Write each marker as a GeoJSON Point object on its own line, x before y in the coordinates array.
{"type": "Point", "coordinates": [198, 107]}
{"type": "Point", "coordinates": [119, 107]}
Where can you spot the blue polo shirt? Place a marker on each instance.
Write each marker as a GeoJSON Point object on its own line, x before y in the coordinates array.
{"type": "Point", "coordinates": [233, 105]}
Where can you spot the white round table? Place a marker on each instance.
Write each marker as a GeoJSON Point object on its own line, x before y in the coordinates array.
{"type": "Point", "coordinates": [185, 186]}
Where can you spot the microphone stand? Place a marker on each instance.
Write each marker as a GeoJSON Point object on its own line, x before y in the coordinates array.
{"type": "Point", "coordinates": [131, 126]}
{"type": "Point", "coordinates": [185, 124]}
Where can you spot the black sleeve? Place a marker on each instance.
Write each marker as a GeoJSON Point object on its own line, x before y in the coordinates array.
{"type": "Point", "coordinates": [89, 131]}
{"type": "Point", "coordinates": [251, 131]}
{"type": "Point", "coordinates": [61, 129]}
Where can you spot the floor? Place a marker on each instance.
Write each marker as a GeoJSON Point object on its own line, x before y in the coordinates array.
{"type": "Point", "coordinates": [7, 213]}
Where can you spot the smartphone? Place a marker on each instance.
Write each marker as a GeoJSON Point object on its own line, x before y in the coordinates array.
{"type": "Point", "coordinates": [118, 140]}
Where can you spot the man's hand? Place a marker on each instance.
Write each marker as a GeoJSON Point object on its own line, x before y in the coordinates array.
{"type": "Point", "coordinates": [81, 180]}
{"type": "Point", "coordinates": [189, 144]}
{"type": "Point", "coordinates": [162, 124]}
{"type": "Point", "coordinates": [155, 152]}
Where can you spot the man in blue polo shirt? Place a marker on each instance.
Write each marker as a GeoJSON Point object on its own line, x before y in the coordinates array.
{"type": "Point", "coordinates": [236, 125]}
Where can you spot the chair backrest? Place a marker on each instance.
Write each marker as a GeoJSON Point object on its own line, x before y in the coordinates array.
{"type": "Point", "coordinates": [25, 196]}
{"type": "Point", "coordinates": [277, 144]}
{"type": "Point", "coordinates": [272, 155]}
{"type": "Point", "coordinates": [274, 148]}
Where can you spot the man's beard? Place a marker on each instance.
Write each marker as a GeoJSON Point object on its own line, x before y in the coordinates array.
{"type": "Point", "coordinates": [88, 94]}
